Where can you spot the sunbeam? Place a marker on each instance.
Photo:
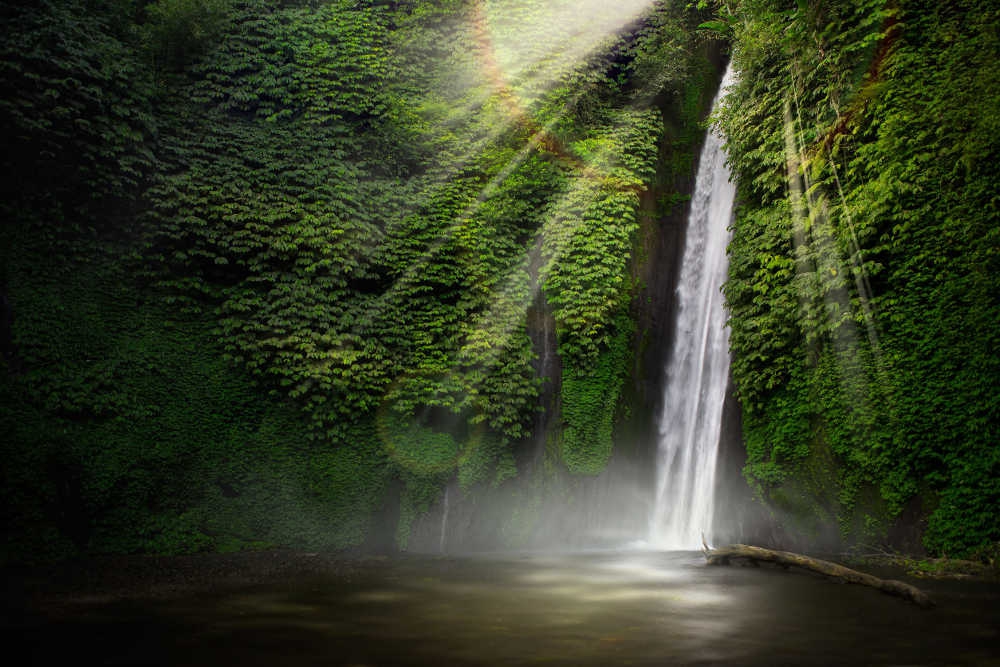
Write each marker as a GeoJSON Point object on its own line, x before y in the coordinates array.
{"type": "Point", "coordinates": [514, 81]}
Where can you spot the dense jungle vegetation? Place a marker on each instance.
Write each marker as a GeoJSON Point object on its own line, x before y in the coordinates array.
{"type": "Point", "coordinates": [865, 279]}
{"type": "Point", "coordinates": [277, 272]}
{"type": "Point", "coordinates": [271, 262]}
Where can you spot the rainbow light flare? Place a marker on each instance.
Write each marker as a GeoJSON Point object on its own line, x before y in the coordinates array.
{"type": "Point", "coordinates": [527, 57]}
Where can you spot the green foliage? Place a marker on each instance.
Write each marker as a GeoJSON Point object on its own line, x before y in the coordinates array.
{"type": "Point", "coordinates": [178, 31]}
{"type": "Point", "coordinates": [75, 112]}
{"type": "Point", "coordinates": [965, 515]}
{"type": "Point", "coordinates": [321, 65]}
{"type": "Point", "coordinates": [862, 288]}
{"type": "Point", "coordinates": [277, 239]}
{"type": "Point", "coordinates": [590, 403]}
{"type": "Point", "coordinates": [588, 248]}
{"type": "Point", "coordinates": [130, 433]}
{"type": "Point", "coordinates": [763, 304]}
{"type": "Point", "coordinates": [486, 459]}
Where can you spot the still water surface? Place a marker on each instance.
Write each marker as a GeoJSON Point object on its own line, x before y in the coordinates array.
{"type": "Point", "coordinates": [597, 608]}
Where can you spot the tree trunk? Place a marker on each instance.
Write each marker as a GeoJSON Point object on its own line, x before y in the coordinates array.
{"type": "Point", "coordinates": [722, 556]}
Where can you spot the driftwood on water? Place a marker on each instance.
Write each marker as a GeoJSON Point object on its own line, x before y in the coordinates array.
{"type": "Point", "coordinates": [723, 555]}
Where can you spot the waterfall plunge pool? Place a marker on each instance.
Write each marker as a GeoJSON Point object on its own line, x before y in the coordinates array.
{"type": "Point", "coordinates": [603, 608]}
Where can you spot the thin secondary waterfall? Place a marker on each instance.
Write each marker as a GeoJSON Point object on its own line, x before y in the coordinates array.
{"type": "Point", "coordinates": [698, 363]}
{"type": "Point", "coordinates": [444, 522]}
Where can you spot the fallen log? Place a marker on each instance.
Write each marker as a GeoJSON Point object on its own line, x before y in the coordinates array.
{"type": "Point", "coordinates": [723, 555]}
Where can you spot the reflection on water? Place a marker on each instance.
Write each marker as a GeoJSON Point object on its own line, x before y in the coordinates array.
{"type": "Point", "coordinates": [599, 608]}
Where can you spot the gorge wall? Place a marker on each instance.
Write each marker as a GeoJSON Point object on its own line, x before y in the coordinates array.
{"type": "Point", "coordinates": [368, 275]}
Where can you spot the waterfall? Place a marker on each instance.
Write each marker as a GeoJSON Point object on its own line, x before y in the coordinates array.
{"type": "Point", "coordinates": [444, 522]}
{"type": "Point", "coordinates": [698, 363]}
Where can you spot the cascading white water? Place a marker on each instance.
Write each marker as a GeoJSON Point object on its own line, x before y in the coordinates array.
{"type": "Point", "coordinates": [698, 363]}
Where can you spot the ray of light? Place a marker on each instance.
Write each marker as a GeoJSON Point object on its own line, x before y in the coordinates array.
{"type": "Point", "coordinates": [591, 23]}
{"type": "Point", "coordinates": [509, 97]}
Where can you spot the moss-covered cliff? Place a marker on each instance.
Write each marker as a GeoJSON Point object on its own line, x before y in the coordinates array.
{"type": "Point", "coordinates": [274, 271]}
{"type": "Point", "coordinates": [864, 285]}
